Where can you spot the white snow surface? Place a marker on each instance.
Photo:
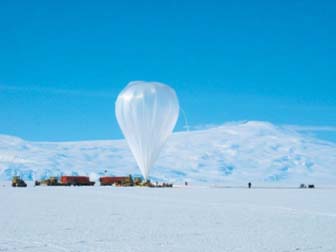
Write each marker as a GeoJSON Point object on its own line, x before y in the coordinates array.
{"type": "Point", "coordinates": [231, 154]}
{"type": "Point", "coordinates": [193, 219]}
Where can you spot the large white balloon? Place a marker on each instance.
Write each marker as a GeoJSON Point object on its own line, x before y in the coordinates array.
{"type": "Point", "coordinates": [147, 113]}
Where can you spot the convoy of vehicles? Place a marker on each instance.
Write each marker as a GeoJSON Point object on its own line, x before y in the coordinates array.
{"type": "Point", "coordinates": [123, 181]}
{"type": "Point", "coordinates": [104, 181]}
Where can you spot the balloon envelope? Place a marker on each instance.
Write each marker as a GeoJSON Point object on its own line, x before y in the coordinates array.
{"type": "Point", "coordinates": [147, 113]}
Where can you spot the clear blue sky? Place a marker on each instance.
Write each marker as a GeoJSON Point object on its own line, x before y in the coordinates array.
{"type": "Point", "coordinates": [62, 63]}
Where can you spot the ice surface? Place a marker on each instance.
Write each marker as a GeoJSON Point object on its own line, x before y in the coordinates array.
{"type": "Point", "coordinates": [174, 219]}
{"type": "Point", "coordinates": [231, 154]}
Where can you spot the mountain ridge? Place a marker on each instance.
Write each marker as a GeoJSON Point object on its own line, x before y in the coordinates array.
{"type": "Point", "coordinates": [233, 153]}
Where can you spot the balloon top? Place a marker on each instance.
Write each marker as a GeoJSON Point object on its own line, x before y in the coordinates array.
{"type": "Point", "coordinates": [136, 89]}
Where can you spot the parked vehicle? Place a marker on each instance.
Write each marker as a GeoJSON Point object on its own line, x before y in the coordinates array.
{"type": "Point", "coordinates": [52, 181]}
{"type": "Point", "coordinates": [18, 182]}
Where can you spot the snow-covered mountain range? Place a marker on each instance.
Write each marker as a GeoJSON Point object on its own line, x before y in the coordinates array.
{"type": "Point", "coordinates": [231, 154]}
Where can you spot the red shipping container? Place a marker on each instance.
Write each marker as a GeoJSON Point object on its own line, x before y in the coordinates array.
{"type": "Point", "coordinates": [76, 180]}
{"type": "Point", "coordinates": [112, 180]}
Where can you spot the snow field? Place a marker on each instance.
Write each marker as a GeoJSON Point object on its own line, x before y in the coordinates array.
{"type": "Point", "coordinates": [170, 219]}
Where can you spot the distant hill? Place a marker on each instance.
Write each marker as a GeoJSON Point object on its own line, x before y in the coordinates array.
{"type": "Point", "coordinates": [231, 154]}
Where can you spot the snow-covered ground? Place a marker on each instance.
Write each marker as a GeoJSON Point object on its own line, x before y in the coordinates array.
{"type": "Point", "coordinates": [231, 154]}
{"type": "Point", "coordinates": [171, 219]}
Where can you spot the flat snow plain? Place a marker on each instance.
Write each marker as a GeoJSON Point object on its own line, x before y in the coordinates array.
{"type": "Point", "coordinates": [170, 219]}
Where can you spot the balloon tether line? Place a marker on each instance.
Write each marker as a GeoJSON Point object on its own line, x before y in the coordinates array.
{"type": "Point", "coordinates": [186, 124]}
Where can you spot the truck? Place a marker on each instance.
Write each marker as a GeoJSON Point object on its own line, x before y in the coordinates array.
{"type": "Point", "coordinates": [18, 182]}
{"type": "Point", "coordinates": [52, 181]}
